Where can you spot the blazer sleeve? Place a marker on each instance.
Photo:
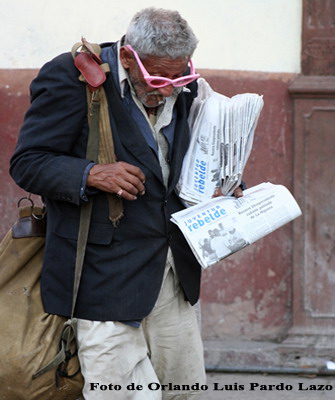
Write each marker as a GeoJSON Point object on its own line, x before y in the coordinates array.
{"type": "Point", "coordinates": [49, 158]}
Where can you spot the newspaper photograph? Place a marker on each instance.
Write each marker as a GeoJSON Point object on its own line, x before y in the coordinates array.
{"type": "Point", "coordinates": [221, 226]}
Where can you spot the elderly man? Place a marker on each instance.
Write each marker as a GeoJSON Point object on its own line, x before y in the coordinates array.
{"type": "Point", "coordinates": [136, 323]}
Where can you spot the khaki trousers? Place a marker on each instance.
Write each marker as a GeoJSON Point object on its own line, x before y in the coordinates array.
{"type": "Point", "coordinates": [163, 359]}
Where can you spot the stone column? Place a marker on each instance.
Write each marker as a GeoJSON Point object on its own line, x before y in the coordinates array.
{"type": "Point", "coordinates": [313, 328]}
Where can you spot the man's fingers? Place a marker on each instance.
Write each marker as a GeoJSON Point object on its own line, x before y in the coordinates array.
{"type": "Point", "coordinates": [238, 192]}
{"type": "Point", "coordinates": [133, 170]}
{"type": "Point", "coordinates": [217, 192]}
{"type": "Point", "coordinates": [115, 177]}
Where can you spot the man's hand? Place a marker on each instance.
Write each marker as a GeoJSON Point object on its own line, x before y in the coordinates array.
{"type": "Point", "coordinates": [238, 192]}
{"type": "Point", "coordinates": [124, 179]}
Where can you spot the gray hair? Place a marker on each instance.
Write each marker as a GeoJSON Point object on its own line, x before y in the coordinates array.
{"type": "Point", "coordinates": [161, 33]}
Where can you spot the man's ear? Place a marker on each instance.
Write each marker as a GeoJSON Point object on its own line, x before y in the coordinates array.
{"type": "Point", "coordinates": [126, 57]}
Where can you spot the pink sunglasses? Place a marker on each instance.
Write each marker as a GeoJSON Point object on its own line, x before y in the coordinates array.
{"type": "Point", "coordinates": [160, 81]}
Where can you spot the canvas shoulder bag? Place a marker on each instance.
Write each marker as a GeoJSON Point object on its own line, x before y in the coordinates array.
{"type": "Point", "coordinates": [38, 355]}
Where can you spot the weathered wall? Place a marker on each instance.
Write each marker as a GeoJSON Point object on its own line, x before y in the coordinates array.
{"type": "Point", "coordinates": [249, 294]}
{"type": "Point", "coordinates": [313, 93]}
{"type": "Point", "coordinates": [14, 100]}
{"type": "Point", "coordinates": [257, 35]}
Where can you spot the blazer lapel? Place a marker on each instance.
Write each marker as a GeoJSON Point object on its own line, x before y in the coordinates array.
{"type": "Point", "coordinates": [128, 132]}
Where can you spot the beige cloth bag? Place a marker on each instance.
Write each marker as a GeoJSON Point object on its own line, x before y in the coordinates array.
{"type": "Point", "coordinates": [29, 338]}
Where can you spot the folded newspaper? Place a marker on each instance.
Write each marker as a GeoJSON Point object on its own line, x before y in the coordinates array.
{"type": "Point", "coordinates": [222, 135]}
{"type": "Point", "coordinates": [224, 225]}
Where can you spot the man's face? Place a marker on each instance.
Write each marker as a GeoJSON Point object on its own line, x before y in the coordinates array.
{"type": "Point", "coordinates": [156, 66]}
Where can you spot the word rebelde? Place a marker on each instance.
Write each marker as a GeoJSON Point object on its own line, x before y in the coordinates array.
{"type": "Point", "coordinates": [205, 217]}
{"type": "Point", "coordinates": [200, 176]}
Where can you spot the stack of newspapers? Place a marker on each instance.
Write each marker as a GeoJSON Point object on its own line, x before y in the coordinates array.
{"type": "Point", "coordinates": [222, 131]}
{"type": "Point", "coordinates": [221, 226]}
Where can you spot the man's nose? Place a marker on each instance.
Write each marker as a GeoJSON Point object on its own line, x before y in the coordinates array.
{"type": "Point", "coordinates": [166, 91]}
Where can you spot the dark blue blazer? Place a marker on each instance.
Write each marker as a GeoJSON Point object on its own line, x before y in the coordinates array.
{"type": "Point", "coordinates": [123, 266]}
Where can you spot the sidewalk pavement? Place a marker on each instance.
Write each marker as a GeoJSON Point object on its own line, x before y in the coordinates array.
{"type": "Point", "coordinates": [236, 386]}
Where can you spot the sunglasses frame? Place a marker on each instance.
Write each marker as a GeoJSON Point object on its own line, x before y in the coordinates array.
{"type": "Point", "coordinates": [178, 82]}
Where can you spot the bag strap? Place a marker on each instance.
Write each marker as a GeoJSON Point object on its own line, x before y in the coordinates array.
{"type": "Point", "coordinates": [64, 354]}
{"type": "Point", "coordinates": [99, 131]}
{"type": "Point", "coordinates": [93, 72]}
{"type": "Point", "coordinates": [92, 153]}
{"type": "Point", "coordinates": [100, 147]}
{"type": "Point", "coordinates": [69, 330]}
{"type": "Point", "coordinates": [106, 148]}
